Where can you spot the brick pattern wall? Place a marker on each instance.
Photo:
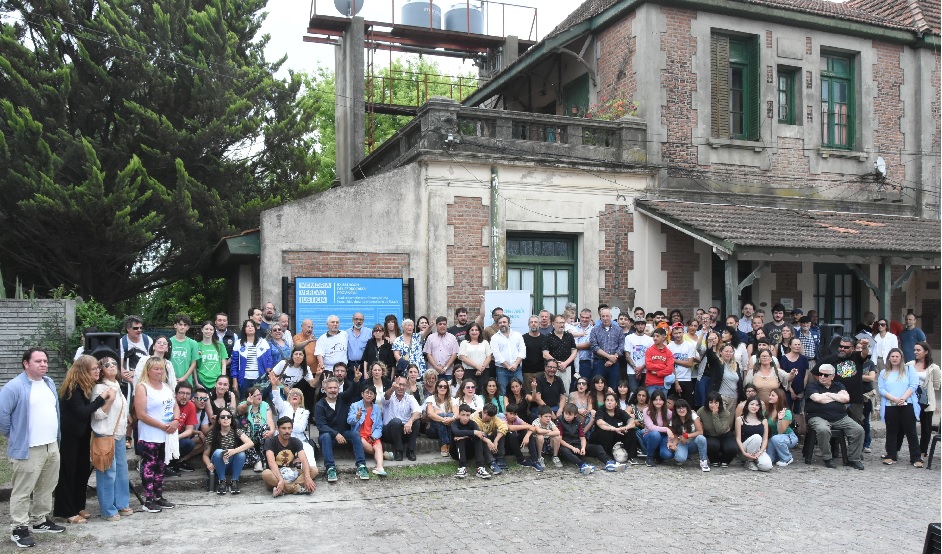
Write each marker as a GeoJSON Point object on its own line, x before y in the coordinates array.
{"type": "Point", "coordinates": [467, 257]}
{"type": "Point", "coordinates": [616, 61]}
{"type": "Point", "coordinates": [791, 161]}
{"type": "Point", "coordinates": [888, 107]}
{"type": "Point", "coordinates": [786, 284]}
{"type": "Point", "coordinates": [680, 261]}
{"type": "Point", "coordinates": [29, 323]}
{"type": "Point", "coordinates": [616, 259]}
{"type": "Point", "coordinates": [678, 80]}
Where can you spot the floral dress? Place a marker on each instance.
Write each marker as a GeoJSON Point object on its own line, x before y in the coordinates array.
{"type": "Point", "coordinates": [411, 352]}
{"type": "Point", "coordinates": [255, 423]}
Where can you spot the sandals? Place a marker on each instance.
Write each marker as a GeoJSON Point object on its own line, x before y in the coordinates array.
{"type": "Point", "coordinates": [76, 520]}
{"type": "Point", "coordinates": [919, 464]}
{"type": "Point", "coordinates": [85, 514]}
{"type": "Point", "coordinates": [888, 461]}
{"type": "Point", "coordinates": [128, 443]}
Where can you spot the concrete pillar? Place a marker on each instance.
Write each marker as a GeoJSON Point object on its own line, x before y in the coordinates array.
{"type": "Point", "coordinates": [350, 100]}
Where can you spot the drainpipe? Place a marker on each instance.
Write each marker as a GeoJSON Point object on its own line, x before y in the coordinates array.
{"type": "Point", "coordinates": [498, 239]}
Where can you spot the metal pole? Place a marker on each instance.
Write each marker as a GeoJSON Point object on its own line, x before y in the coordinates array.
{"type": "Point", "coordinates": [498, 240]}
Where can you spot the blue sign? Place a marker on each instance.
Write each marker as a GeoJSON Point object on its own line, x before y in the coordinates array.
{"type": "Point", "coordinates": [316, 298]}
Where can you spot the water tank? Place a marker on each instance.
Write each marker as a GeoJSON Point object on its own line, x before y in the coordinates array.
{"type": "Point", "coordinates": [348, 7]}
{"type": "Point", "coordinates": [457, 19]}
{"type": "Point", "coordinates": [416, 14]}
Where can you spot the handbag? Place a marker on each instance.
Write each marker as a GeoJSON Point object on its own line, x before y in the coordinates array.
{"type": "Point", "coordinates": [103, 447]}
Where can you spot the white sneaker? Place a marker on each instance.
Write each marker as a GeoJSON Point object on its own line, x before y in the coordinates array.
{"type": "Point", "coordinates": [704, 465]}
{"type": "Point", "coordinates": [482, 473]}
{"type": "Point", "coordinates": [258, 467]}
{"type": "Point", "coordinates": [781, 463]}
{"type": "Point", "coordinates": [557, 462]}
{"type": "Point", "coordinates": [462, 473]}
{"type": "Point", "coordinates": [752, 466]}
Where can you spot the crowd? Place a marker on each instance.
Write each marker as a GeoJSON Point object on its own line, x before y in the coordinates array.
{"type": "Point", "coordinates": [615, 390]}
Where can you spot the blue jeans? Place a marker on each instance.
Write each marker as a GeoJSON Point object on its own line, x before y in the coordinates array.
{"type": "Point", "coordinates": [639, 434]}
{"type": "Point", "coordinates": [697, 445]}
{"type": "Point", "coordinates": [632, 383]}
{"type": "Point", "coordinates": [326, 443]}
{"type": "Point", "coordinates": [703, 386]}
{"type": "Point", "coordinates": [234, 467]}
{"type": "Point", "coordinates": [652, 388]}
{"type": "Point", "coordinates": [655, 442]}
{"type": "Point", "coordinates": [598, 368]}
{"type": "Point", "coordinates": [440, 431]}
{"type": "Point", "coordinates": [504, 376]}
{"type": "Point", "coordinates": [112, 484]}
{"type": "Point", "coordinates": [780, 445]}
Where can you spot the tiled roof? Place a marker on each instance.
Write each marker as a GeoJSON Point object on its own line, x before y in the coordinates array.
{"type": "Point", "coordinates": [895, 14]}
{"type": "Point", "coordinates": [802, 230]}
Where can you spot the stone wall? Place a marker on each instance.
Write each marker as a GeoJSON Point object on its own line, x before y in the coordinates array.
{"type": "Point", "coordinates": [29, 323]}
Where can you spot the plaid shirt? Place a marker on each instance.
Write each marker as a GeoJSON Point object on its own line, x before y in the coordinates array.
{"type": "Point", "coordinates": [611, 340]}
{"type": "Point", "coordinates": [811, 343]}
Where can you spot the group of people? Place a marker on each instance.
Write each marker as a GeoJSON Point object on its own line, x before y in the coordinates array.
{"type": "Point", "coordinates": [570, 389]}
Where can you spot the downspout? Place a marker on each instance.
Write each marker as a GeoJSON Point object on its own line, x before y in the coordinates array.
{"type": "Point", "coordinates": [498, 239]}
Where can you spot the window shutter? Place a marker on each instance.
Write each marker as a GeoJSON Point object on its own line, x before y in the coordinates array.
{"type": "Point", "coordinates": [719, 90]}
{"type": "Point", "coordinates": [752, 91]}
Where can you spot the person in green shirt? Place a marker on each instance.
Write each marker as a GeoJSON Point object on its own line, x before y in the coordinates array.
{"type": "Point", "coordinates": [212, 356]}
{"type": "Point", "coordinates": [184, 351]}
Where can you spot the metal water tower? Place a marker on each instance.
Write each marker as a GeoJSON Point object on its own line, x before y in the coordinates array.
{"type": "Point", "coordinates": [416, 13]}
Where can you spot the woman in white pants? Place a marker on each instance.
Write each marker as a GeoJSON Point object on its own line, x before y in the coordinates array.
{"type": "Point", "coordinates": [752, 436]}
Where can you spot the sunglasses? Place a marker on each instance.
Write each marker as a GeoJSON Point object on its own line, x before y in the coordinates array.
{"type": "Point", "coordinates": [200, 398]}
{"type": "Point", "coordinates": [225, 417]}
{"type": "Point", "coordinates": [443, 386]}
{"type": "Point", "coordinates": [470, 387]}
{"type": "Point", "coordinates": [110, 364]}
{"type": "Point", "coordinates": [137, 328]}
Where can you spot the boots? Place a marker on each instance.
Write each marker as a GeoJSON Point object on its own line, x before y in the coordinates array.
{"type": "Point", "coordinates": [221, 487]}
{"type": "Point", "coordinates": [234, 487]}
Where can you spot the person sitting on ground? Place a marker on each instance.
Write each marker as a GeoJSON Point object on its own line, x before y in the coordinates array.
{"type": "Point", "coordinates": [288, 469]}
{"type": "Point", "coordinates": [204, 414]}
{"type": "Point", "coordinates": [490, 395]}
{"type": "Point", "coordinates": [224, 455]}
{"type": "Point", "coordinates": [826, 408]}
{"type": "Point", "coordinates": [688, 435]}
{"type": "Point", "coordinates": [516, 394]}
{"type": "Point", "coordinates": [781, 436]}
{"type": "Point", "coordinates": [300, 416]}
{"type": "Point", "coordinates": [573, 445]}
{"type": "Point", "coordinates": [494, 432]}
{"type": "Point", "coordinates": [614, 425]}
{"type": "Point", "coordinates": [259, 424]}
{"type": "Point", "coordinates": [717, 422]}
{"type": "Point", "coordinates": [656, 432]}
{"type": "Point", "coordinates": [752, 436]}
{"type": "Point", "coordinates": [466, 395]}
{"type": "Point", "coordinates": [438, 412]}
{"type": "Point", "coordinates": [330, 416]}
{"type": "Point", "coordinates": [366, 419]}
{"type": "Point", "coordinates": [536, 438]}
{"type": "Point", "coordinates": [190, 437]}
{"type": "Point", "coordinates": [516, 429]}
{"type": "Point", "coordinates": [466, 436]}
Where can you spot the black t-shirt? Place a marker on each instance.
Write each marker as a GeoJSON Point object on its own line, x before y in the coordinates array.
{"type": "Point", "coordinates": [533, 363]}
{"type": "Point", "coordinates": [550, 392]}
{"type": "Point", "coordinates": [285, 456]}
{"type": "Point", "coordinates": [619, 419]}
{"type": "Point", "coordinates": [559, 348]}
{"type": "Point", "coordinates": [461, 332]}
{"type": "Point", "coordinates": [848, 372]}
{"type": "Point", "coordinates": [773, 331]}
{"type": "Point", "coordinates": [832, 411]}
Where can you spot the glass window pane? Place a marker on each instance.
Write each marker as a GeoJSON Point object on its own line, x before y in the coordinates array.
{"type": "Point", "coordinates": [736, 77]}
{"type": "Point", "coordinates": [562, 249]}
{"type": "Point", "coordinates": [562, 282]}
{"type": "Point", "coordinates": [513, 247]}
{"type": "Point", "coordinates": [549, 303]}
{"type": "Point", "coordinates": [526, 280]}
{"type": "Point", "coordinates": [549, 282]}
{"type": "Point", "coordinates": [549, 248]}
{"type": "Point", "coordinates": [537, 248]}
{"type": "Point", "coordinates": [526, 247]}
{"type": "Point", "coordinates": [513, 279]}
{"type": "Point", "coordinates": [841, 92]}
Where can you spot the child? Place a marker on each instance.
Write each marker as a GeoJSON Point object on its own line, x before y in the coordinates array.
{"type": "Point", "coordinates": [495, 432]}
{"type": "Point", "coordinates": [516, 428]}
{"type": "Point", "coordinates": [465, 434]}
{"type": "Point", "coordinates": [543, 428]}
{"type": "Point", "coordinates": [366, 419]}
{"type": "Point", "coordinates": [572, 439]}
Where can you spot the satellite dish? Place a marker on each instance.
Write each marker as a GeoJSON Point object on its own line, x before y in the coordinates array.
{"type": "Point", "coordinates": [348, 8]}
{"type": "Point", "coordinates": [879, 167]}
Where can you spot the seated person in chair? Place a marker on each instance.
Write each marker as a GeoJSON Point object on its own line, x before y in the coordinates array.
{"type": "Point", "coordinates": [826, 409]}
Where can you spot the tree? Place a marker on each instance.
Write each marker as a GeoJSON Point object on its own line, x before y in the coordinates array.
{"type": "Point", "coordinates": [135, 135]}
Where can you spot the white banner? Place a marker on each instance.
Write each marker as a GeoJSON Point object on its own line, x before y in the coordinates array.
{"type": "Point", "coordinates": [515, 303]}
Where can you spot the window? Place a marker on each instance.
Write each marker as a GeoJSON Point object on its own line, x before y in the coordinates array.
{"type": "Point", "coordinates": [734, 90]}
{"type": "Point", "coordinates": [787, 106]}
{"type": "Point", "coordinates": [545, 265]}
{"type": "Point", "coordinates": [837, 102]}
{"type": "Point", "coordinates": [836, 296]}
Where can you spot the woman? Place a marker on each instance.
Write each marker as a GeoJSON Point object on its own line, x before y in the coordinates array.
{"type": "Point", "coordinates": [614, 425]}
{"type": "Point", "coordinates": [675, 316]}
{"type": "Point", "coordinates": [930, 381]}
{"type": "Point", "coordinates": [281, 345]}
{"type": "Point", "coordinates": [413, 387]}
{"type": "Point", "coordinates": [157, 415]}
{"type": "Point", "coordinates": [365, 419]}
{"type": "Point", "coordinates": [795, 360]}
{"type": "Point", "coordinates": [597, 391]}
{"type": "Point", "coordinates": [378, 349]}
{"type": "Point", "coordinates": [783, 347]}
{"type": "Point", "coordinates": [656, 432]}
{"type": "Point", "coordinates": [692, 335]}
{"type": "Point", "coordinates": [75, 422]}
{"type": "Point", "coordinates": [457, 377]}
{"type": "Point", "coordinates": [423, 324]}
{"type": "Point", "coordinates": [740, 352]}
{"type": "Point", "coordinates": [711, 373]}
{"type": "Point", "coordinates": [726, 378]}
{"type": "Point", "coordinates": [376, 378]}
{"type": "Point", "coordinates": [407, 348]}
{"type": "Point", "coordinates": [438, 410]}
{"type": "Point", "coordinates": [766, 377]}
{"type": "Point", "coordinates": [391, 327]}
{"type": "Point", "coordinates": [226, 445]}
{"type": "Point", "coordinates": [474, 353]}
{"type": "Point", "coordinates": [249, 358]}
{"type": "Point", "coordinates": [300, 418]}
{"type": "Point", "coordinates": [748, 393]}
{"type": "Point", "coordinates": [687, 428]}
{"type": "Point", "coordinates": [752, 436]}
{"type": "Point", "coordinates": [781, 436]}
{"type": "Point", "coordinates": [111, 420]}
{"type": "Point", "coordinates": [515, 394]}
{"type": "Point", "coordinates": [898, 384]}
{"type": "Point", "coordinates": [221, 397]}
{"type": "Point", "coordinates": [292, 371]}
{"type": "Point", "coordinates": [466, 395]}
{"type": "Point", "coordinates": [260, 425]}
{"type": "Point", "coordinates": [637, 408]}
{"type": "Point", "coordinates": [212, 356]}
{"type": "Point", "coordinates": [204, 413]}
{"type": "Point", "coordinates": [580, 397]}
{"type": "Point", "coordinates": [160, 348]}
{"type": "Point", "coordinates": [717, 422]}
{"type": "Point", "coordinates": [429, 379]}
{"type": "Point", "coordinates": [623, 394]}
{"type": "Point", "coordinates": [883, 341]}
{"type": "Point", "coordinates": [752, 348]}
{"type": "Point", "coordinates": [490, 394]}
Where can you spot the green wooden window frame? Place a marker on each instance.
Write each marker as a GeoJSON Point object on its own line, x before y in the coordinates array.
{"type": "Point", "coordinates": [539, 254]}
{"type": "Point", "coordinates": [787, 107]}
{"type": "Point", "coordinates": [735, 86]}
{"type": "Point", "coordinates": [838, 112]}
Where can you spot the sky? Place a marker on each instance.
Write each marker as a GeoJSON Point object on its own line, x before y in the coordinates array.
{"type": "Point", "coordinates": [287, 23]}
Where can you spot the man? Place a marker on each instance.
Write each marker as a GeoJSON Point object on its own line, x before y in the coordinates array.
{"type": "Point", "coordinates": [561, 346]}
{"type": "Point", "coordinates": [29, 419]}
{"type": "Point", "coordinates": [813, 314]}
{"type": "Point", "coordinates": [549, 391]}
{"type": "Point", "coordinates": [773, 329]}
{"type": "Point", "coordinates": [659, 362]}
{"type": "Point", "coordinates": [356, 342]}
{"type": "Point", "coordinates": [685, 356]}
{"type": "Point", "coordinates": [636, 344]}
{"type": "Point", "coordinates": [714, 314]}
{"type": "Point", "coordinates": [268, 317]}
{"type": "Point", "coordinates": [810, 340]}
{"type": "Point", "coordinates": [283, 321]}
{"type": "Point", "coordinates": [305, 339]}
{"type": "Point", "coordinates": [331, 347]}
{"type": "Point", "coordinates": [706, 324]}
{"type": "Point", "coordinates": [866, 325]}
{"type": "Point", "coordinates": [582, 345]}
{"type": "Point", "coordinates": [626, 324]}
{"type": "Point", "coordinates": [441, 348]}
{"type": "Point", "coordinates": [493, 328]}
{"type": "Point", "coordinates": [225, 336]}
{"type": "Point", "coordinates": [293, 472]}
{"type": "Point", "coordinates": [745, 323]}
{"type": "Point", "coordinates": [184, 351]}
{"type": "Point", "coordinates": [756, 325]}
{"type": "Point", "coordinates": [909, 337]}
{"type": "Point", "coordinates": [826, 409]}
{"type": "Point", "coordinates": [330, 417]}
{"type": "Point", "coordinates": [134, 344]}
{"type": "Point", "coordinates": [797, 314]}
{"type": "Point", "coordinates": [401, 411]}
{"type": "Point", "coordinates": [639, 313]}
{"type": "Point", "coordinates": [660, 320]}
{"type": "Point", "coordinates": [191, 439]}
{"type": "Point", "coordinates": [533, 342]}
{"type": "Point", "coordinates": [516, 429]}
{"type": "Point", "coordinates": [461, 326]}
{"type": "Point", "coordinates": [607, 344]}
{"type": "Point", "coordinates": [493, 432]}
{"type": "Point", "coordinates": [546, 322]}
{"type": "Point", "coordinates": [848, 365]}
{"type": "Point", "coordinates": [509, 352]}
{"type": "Point", "coordinates": [255, 314]}
{"type": "Point", "coordinates": [733, 325]}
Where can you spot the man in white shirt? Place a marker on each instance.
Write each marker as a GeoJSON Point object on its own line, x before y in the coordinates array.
{"type": "Point", "coordinates": [636, 344]}
{"type": "Point", "coordinates": [332, 345]}
{"type": "Point", "coordinates": [582, 345]}
{"type": "Point", "coordinates": [745, 323]}
{"type": "Point", "coordinates": [509, 352]}
{"type": "Point", "coordinates": [685, 356]}
{"type": "Point", "coordinates": [400, 413]}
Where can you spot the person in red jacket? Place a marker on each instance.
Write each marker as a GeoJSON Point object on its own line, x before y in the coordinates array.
{"type": "Point", "coordinates": [659, 361]}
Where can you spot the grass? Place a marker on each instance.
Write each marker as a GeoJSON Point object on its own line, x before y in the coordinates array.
{"type": "Point", "coordinates": [6, 469]}
{"type": "Point", "coordinates": [438, 470]}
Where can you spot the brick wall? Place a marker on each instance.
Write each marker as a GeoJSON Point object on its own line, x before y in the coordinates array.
{"type": "Point", "coordinates": [616, 61]}
{"type": "Point", "coordinates": [616, 259]}
{"type": "Point", "coordinates": [678, 80]}
{"type": "Point", "coordinates": [29, 323]}
{"type": "Point", "coordinates": [680, 261]}
{"type": "Point", "coordinates": [888, 107]}
{"type": "Point", "coordinates": [467, 256]}
{"type": "Point", "coordinates": [786, 284]}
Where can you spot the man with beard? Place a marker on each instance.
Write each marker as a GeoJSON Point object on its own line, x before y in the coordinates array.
{"type": "Point", "coordinates": [848, 364]}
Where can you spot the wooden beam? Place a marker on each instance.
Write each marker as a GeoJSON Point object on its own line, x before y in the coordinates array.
{"type": "Point", "coordinates": [897, 284]}
{"type": "Point", "coordinates": [864, 278]}
{"type": "Point", "coordinates": [751, 278]}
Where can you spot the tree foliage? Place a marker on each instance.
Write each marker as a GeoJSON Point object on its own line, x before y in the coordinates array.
{"type": "Point", "coordinates": [133, 135]}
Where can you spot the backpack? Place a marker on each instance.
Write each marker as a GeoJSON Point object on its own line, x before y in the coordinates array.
{"type": "Point", "coordinates": [133, 355]}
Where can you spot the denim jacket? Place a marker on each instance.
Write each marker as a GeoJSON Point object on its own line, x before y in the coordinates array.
{"type": "Point", "coordinates": [14, 414]}
{"type": "Point", "coordinates": [355, 423]}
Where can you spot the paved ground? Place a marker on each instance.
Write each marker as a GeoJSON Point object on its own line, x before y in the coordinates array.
{"type": "Point", "coordinates": [666, 509]}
